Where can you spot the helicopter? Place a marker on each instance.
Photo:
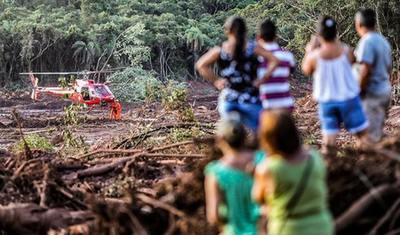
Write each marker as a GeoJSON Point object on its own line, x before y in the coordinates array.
{"type": "Point", "coordinates": [81, 90]}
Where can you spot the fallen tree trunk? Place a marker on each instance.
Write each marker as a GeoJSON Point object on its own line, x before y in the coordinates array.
{"type": "Point", "coordinates": [31, 219]}
{"type": "Point", "coordinates": [362, 204]}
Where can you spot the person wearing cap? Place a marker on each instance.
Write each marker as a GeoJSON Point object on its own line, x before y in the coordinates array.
{"type": "Point", "coordinates": [229, 180]}
{"type": "Point", "coordinates": [334, 86]}
{"type": "Point", "coordinates": [291, 181]}
{"type": "Point", "coordinates": [373, 55]}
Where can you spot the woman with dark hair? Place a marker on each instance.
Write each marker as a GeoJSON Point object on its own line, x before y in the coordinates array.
{"type": "Point", "coordinates": [238, 63]}
{"type": "Point", "coordinates": [291, 181]}
{"type": "Point", "coordinates": [229, 181]}
{"type": "Point", "coordinates": [334, 87]}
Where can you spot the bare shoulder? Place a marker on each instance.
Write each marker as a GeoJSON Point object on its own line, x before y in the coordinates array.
{"type": "Point", "coordinates": [214, 50]}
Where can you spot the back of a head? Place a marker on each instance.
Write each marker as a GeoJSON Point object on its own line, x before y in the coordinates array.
{"type": "Point", "coordinates": [232, 130]}
{"type": "Point", "coordinates": [366, 18]}
{"type": "Point", "coordinates": [236, 25]}
{"type": "Point", "coordinates": [327, 28]}
{"type": "Point", "coordinates": [278, 133]}
{"type": "Point", "coordinates": [267, 30]}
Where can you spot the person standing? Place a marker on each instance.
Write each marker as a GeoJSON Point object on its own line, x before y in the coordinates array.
{"type": "Point", "coordinates": [229, 180]}
{"type": "Point", "coordinates": [373, 53]}
{"type": "Point", "coordinates": [291, 181]}
{"type": "Point", "coordinates": [334, 86]}
{"type": "Point", "coordinates": [237, 61]}
{"type": "Point", "coordinates": [275, 90]}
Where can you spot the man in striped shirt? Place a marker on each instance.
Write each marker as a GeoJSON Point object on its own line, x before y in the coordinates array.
{"type": "Point", "coordinates": [275, 90]}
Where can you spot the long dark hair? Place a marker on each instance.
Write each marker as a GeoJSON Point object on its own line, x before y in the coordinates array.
{"type": "Point", "coordinates": [236, 25]}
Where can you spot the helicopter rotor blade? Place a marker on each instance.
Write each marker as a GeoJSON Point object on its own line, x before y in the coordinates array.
{"type": "Point", "coordinates": [51, 73]}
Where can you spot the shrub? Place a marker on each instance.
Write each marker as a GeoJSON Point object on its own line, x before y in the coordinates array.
{"type": "Point", "coordinates": [35, 141]}
{"type": "Point", "coordinates": [137, 85]}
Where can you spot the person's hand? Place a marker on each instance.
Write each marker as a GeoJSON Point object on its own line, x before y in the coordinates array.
{"type": "Point", "coordinates": [312, 44]}
{"type": "Point", "coordinates": [257, 83]}
{"type": "Point", "coordinates": [220, 83]}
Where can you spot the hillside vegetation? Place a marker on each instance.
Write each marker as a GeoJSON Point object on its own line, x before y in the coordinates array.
{"type": "Point", "coordinates": [159, 38]}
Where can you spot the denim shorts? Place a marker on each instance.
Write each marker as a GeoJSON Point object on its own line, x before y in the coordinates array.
{"type": "Point", "coordinates": [349, 112]}
{"type": "Point", "coordinates": [249, 112]}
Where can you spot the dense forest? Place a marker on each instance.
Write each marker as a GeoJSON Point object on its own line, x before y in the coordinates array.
{"type": "Point", "coordinates": [160, 39]}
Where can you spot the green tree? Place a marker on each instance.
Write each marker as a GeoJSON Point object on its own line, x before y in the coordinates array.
{"type": "Point", "coordinates": [195, 41]}
{"type": "Point", "coordinates": [84, 53]}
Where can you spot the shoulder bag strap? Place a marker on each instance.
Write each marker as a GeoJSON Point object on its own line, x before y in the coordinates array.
{"type": "Point", "coordinates": [299, 190]}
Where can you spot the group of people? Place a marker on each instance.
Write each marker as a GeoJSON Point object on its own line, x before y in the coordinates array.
{"type": "Point", "coordinates": [284, 180]}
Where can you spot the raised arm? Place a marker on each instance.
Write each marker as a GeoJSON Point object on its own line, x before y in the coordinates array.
{"type": "Point", "coordinates": [204, 64]}
{"type": "Point", "coordinates": [213, 198]}
{"type": "Point", "coordinates": [309, 62]}
{"type": "Point", "coordinates": [273, 63]}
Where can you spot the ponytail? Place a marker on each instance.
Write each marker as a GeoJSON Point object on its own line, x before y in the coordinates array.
{"type": "Point", "coordinates": [237, 27]}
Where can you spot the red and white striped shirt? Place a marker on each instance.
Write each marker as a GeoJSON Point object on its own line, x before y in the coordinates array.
{"type": "Point", "coordinates": [275, 92]}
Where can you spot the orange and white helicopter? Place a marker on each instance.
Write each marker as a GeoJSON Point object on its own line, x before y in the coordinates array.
{"type": "Point", "coordinates": [82, 90]}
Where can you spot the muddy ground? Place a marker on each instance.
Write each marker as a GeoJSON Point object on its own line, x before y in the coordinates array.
{"type": "Point", "coordinates": [148, 179]}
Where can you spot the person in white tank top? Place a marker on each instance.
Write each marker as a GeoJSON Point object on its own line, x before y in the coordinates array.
{"type": "Point", "coordinates": [334, 87]}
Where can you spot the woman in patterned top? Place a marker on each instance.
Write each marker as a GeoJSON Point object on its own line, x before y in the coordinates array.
{"type": "Point", "coordinates": [238, 63]}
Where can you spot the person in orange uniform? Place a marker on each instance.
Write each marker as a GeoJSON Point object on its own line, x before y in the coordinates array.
{"type": "Point", "coordinates": [115, 110]}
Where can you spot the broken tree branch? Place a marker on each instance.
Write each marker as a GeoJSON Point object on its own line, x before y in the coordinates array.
{"type": "Point", "coordinates": [133, 151]}
{"type": "Point", "coordinates": [162, 205]}
{"type": "Point", "coordinates": [362, 204]}
{"type": "Point", "coordinates": [99, 170]}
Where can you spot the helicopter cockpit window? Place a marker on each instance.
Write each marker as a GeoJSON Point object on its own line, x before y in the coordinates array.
{"type": "Point", "coordinates": [99, 90]}
{"type": "Point", "coordinates": [85, 93]}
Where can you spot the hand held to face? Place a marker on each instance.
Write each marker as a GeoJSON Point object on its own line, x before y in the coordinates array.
{"type": "Point", "coordinates": [313, 44]}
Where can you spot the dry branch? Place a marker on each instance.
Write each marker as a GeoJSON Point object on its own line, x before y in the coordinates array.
{"type": "Point", "coordinates": [168, 127]}
{"type": "Point", "coordinates": [29, 219]}
{"type": "Point", "coordinates": [99, 170]}
{"type": "Point", "coordinates": [162, 205]}
{"type": "Point", "coordinates": [385, 219]}
{"type": "Point", "coordinates": [27, 150]}
{"type": "Point", "coordinates": [362, 204]}
{"type": "Point", "coordinates": [133, 151]}
{"type": "Point", "coordinates": [112, 151]}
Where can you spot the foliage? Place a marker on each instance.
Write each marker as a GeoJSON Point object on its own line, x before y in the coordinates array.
{"type": "Point", "coordinates": [35, 141]}
{"type": "Point", "coordinates": [175, 98]}
{"type": "Point", "coordinates": [72, 141]}
{"type": "Point", "coordinates": [66, 82]}
{"type": "Point", "coordinates": [296, 20]}
{"type": "Point", "coordinates": [72, 117]}
{"type": "Point", "coordinates": [72, 114]}
{"type": "Point", "coordinates": [135, 84]}
{"type": "Point", "coordinates": [162, 38]}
